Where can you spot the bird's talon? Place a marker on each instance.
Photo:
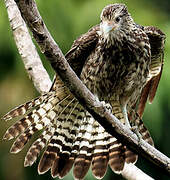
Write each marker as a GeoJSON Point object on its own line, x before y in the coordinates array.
{"type": "Point", "coordinates": [136, 131]}
{"type": "Point", "coordinates": [107, 106]}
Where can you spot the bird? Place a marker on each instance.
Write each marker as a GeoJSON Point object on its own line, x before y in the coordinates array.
{"type": "Point", "coordinates": [121, 63]}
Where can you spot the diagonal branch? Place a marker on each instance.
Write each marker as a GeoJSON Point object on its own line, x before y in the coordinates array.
{"type": "Point", "coordinates": [86, 98]}
{"type": "Point", "coordinates": [27, 50]}
{"type": "Point", "coordinates": [131, 172]}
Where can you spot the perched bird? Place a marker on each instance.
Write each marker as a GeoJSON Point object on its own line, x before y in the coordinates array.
{"type": "Point", "coordinates": [121, 63]}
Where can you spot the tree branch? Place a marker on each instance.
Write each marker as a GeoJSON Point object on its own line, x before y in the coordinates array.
{"type": "Point", "coordinates": [131, 172]}
{"type": "Point", "coordinates": [86, 98]}
{"type": "Point", "coordinates": [27, 50]}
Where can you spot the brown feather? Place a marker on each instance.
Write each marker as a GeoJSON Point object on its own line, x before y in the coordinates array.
{"type": "Point", "coordinates": [157, 43]}
{"type": "Point", "coordinates": [154, 85]}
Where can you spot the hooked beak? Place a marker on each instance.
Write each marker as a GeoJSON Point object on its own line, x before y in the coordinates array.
{"type": "Point", "coordinates": [108, 26]}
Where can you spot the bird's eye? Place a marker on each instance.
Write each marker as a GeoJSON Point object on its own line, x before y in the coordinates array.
{"type": "Point", "coordinates": [117, 19]}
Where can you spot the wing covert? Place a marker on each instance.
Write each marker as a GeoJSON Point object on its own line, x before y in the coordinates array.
{"type": "Point", "coordinates": [157, 41]}
{"type": "Point", "coordinates": [81, 49]}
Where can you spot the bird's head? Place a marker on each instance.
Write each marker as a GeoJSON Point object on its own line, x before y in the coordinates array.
{"type": "Point", "coordinates": [115, 20]}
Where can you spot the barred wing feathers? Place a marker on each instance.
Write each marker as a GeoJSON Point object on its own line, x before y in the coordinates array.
{"type": "Point", "coordinates": [81, 49]}
{"type": "Point", "coordinates": [157, 42]}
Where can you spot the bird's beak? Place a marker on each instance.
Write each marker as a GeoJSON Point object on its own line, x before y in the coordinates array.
{"type": "Point", "coordinates": [108, 26]}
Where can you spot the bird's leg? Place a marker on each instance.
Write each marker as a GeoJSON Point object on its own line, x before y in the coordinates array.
{"type": "Point", "coordinates": [135, 127]}
{"type": "Point", "coordinates": [136, 123]}
{"type": "Point", "coordinates": [125, 115]}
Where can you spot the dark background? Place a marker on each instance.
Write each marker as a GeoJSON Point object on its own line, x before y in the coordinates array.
{"type": "Point", "coordinates": [66, 20]}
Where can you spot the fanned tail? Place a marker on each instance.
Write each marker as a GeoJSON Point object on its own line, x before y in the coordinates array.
{"type": "Point", "coordinates": [70, 136]}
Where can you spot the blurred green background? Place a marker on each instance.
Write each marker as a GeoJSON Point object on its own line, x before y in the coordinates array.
{"type": "Point", "coordinates": [66, 20]}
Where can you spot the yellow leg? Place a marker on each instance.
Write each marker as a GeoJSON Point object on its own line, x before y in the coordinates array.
{"type": "Point", "coordinates": [125, 115]}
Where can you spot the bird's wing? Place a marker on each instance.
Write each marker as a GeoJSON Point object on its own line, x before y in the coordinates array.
{"type": "Point", "coordinates": [157, 41]}
{"type": "Point", "coordinates": [80, 50]}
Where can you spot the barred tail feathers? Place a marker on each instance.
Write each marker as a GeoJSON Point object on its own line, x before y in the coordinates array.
{"type": "Point", "coordinates": [85, 147]}
{"type": "Point", "coordinates": [23, 109]}
{"type": "Point", "coordinates": [54, 105]}
{"type": "Point", "coordinates": [62, 165]}
{"type": "Point", "coordinates": [71, 136]}
{"type": "Point", "coordinates": [76, 116]}
{"type": "Point", "coordinates": [66, 161]}
{"type": "Point", "coordinates": [38, 146]}
{"type": "Point", "coordinates": [20, 142]}
{"type": "Point", "coordinates": [59, 147]}
{"type": "Point", "coordinates": [118, 153]}
{"type": "Point", "coordinates": [100, 151]}
{"type": "Point", "coordinates": [35, 116]}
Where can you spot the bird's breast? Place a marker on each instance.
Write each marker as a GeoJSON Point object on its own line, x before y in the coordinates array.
{"type": "Point", "coordinates": [113, 70]}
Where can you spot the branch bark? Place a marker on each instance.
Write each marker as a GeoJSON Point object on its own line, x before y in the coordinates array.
{"type": "Point", "coordinates": [131, 172]}
{"type": "Point", "coordinates": [86, 98]}
{"type": "Point", "coordinates": [27, 50]}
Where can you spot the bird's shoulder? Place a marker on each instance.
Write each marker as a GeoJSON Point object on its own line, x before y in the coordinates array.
{"type": "Point", "coordinates": [81, 49]}
{"type": "Point", "coordinates": [78, 53]}
{"type": "Point", "coordinates": [140, 37]}
{"type": "Point", "coordinates": [156, 38]}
